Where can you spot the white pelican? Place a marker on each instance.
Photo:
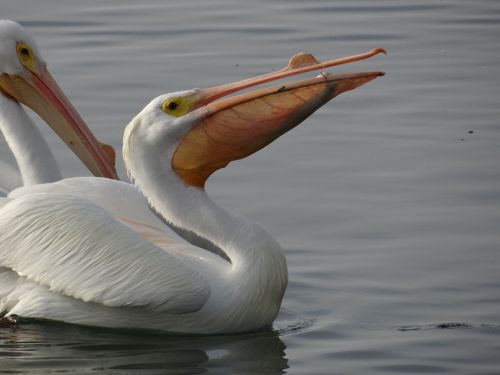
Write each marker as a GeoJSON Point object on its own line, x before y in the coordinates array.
{"type": "Point", "coordinates": [24, 78]}
{"type": "Point", "coordinates": [89, 251]}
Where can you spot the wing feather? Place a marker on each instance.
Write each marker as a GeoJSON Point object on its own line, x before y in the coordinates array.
{"type": "Point", "coordinates": [76, 248]}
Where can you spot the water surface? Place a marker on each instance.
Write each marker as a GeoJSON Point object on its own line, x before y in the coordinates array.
{"type": "Point", "coordinates": [386, 201]}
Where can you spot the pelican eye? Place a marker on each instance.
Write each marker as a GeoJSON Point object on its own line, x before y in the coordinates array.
{"type": "Point", "coordinates": [26, 56]}
{"type": "Point", "coordinates": [178, 106]}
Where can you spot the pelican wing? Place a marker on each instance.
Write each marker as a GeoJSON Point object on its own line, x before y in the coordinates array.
{"type": "Point", "coordinates": [120, 199]}
{"type": "Point", "coordinates": [76, 248]}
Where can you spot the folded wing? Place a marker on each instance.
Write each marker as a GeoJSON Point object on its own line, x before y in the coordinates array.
{"type": "Point", "coordinates": [78, 249]}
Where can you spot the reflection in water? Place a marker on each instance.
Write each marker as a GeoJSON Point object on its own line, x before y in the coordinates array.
{"type": "Point", "coordinates": [35, 347]}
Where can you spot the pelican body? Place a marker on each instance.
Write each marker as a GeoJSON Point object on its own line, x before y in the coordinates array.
{"type": "Point", "coordinates": [160, 254]}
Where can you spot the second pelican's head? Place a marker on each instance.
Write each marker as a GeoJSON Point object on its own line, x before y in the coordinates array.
{"type": "Point", "coordinates": [24, 77]}
{"type": "Point", "coordinates": [202, 130]}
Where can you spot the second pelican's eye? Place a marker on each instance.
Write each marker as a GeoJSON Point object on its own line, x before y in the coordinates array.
{"type": "Point", "coordinates": [177, 106]}
{"type": "Point", "coordinates": [26, 56]}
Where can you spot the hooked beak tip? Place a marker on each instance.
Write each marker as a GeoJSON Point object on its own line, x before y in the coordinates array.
{"type": "Point", "coordinates": [379, 50]}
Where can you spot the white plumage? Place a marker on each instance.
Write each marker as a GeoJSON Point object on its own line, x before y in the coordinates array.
{"type": "Point", "coordinates": [86, 264]}
{"type": "Point", "coordinates": [9, 178]}
{"type": "Point", "coordinates": [73, 261]}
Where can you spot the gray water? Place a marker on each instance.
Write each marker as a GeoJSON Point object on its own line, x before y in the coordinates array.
{"type": "Point", "coordinates": [386, 201]}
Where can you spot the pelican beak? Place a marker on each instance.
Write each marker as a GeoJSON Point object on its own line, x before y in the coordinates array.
{"type": "Point", "coordinates": [235, 127]}
{"type": "Point", "coordinates": [39, 91]}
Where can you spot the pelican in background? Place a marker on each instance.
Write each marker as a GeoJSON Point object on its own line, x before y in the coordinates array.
{"type": "Point", "coordinates": [24, 78]}
{"type": "Point", "coordinates": [99, 252]}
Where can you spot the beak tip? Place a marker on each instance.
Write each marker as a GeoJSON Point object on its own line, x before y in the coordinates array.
{"type": "Point", "coordinates": [379, 50]}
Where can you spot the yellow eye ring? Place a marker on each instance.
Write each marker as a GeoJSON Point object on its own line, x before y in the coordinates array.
{"type": "Point", "coordinates": [178, 106]}
{"type": "Point", "coordinates": [175, 107]}
{"type": "Point", "coordinates": [26, 56]}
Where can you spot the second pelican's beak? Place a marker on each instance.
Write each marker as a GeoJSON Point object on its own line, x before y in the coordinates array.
{"type": "Point", "coordinates": [233, 128]}
{"type": "Point", "coordinates": [40, 92]}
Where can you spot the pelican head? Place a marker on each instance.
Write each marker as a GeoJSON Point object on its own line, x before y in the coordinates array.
{"type": "Point", "coordinates": [203, 130]}
{"type": "Point", "coordinates": [24, 77]}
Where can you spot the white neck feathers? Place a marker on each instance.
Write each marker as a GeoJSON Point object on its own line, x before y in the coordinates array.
{"type": "Point", "coordinates": [34, 158]}
{"type": "Point", "coordinates": [190, 208]}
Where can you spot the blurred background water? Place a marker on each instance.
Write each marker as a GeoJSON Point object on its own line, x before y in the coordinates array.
{"type": "Point", "coordinates": [386, 201]}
